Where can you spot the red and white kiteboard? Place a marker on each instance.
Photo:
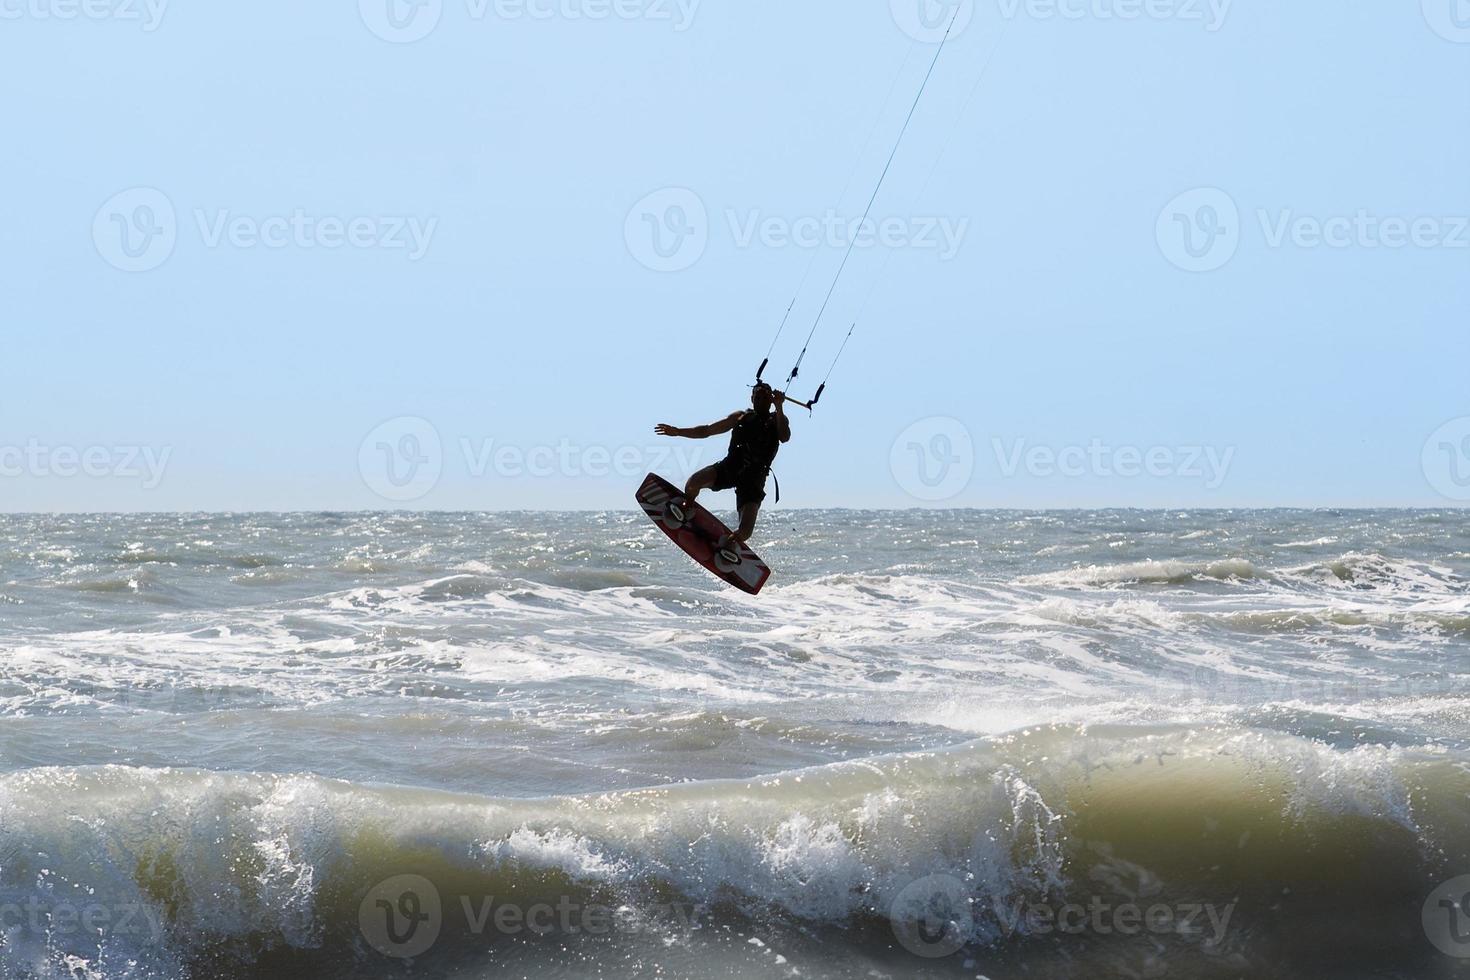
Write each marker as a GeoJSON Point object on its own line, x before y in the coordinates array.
{"type": "Point", "coordinates": [698, 532]}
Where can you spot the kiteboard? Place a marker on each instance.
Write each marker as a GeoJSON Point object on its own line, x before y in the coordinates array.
{"type": "Point", "coordinates": [699, 533]}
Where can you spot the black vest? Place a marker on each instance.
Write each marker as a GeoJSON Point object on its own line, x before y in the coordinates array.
{"type": "Point", "coordinates": [755, 441]}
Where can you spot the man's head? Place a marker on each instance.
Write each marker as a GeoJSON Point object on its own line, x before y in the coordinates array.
{"type": "Point", "coordinates": [761, 397]}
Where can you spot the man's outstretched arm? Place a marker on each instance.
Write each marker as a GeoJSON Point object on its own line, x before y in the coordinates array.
{"type": "Point", "coordinates": [699, 431]}
{"type": "Point", "coordinates": [783, 424]}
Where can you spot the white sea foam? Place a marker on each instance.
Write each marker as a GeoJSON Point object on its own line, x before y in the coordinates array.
{"type": "Point", "coordinates": [585, 656]}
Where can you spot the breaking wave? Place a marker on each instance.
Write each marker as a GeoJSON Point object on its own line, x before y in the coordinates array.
{"type": "Point", "coordinates": [253, 869]}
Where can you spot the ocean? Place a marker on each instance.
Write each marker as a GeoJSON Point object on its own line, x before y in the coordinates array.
{"type": "Point", "coordinates": [940, 744]}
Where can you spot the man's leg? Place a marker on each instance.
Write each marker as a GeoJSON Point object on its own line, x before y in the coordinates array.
{"type": "Point", "coordinates": [702, 480]}
{"type": "Point", "coordinates": [748, 515]}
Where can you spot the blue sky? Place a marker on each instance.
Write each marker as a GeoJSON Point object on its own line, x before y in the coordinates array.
{"type": "Point", "coordinates": [297, 256]}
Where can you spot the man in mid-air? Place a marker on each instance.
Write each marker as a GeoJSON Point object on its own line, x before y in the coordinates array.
{"type": "Point", "coordinates": [755, 438]}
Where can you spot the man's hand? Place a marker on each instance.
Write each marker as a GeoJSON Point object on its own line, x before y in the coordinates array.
{"type": "Point", "coordinates": [664, 429]}
{"type": "Point", "coordinates": [783, 425]}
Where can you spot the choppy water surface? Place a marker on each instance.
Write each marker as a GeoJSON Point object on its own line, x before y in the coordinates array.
{"type": "Point", "coordinates": [294, 745]}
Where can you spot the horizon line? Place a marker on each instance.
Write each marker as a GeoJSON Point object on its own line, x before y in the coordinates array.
{"type": "Point", "coordinates": [1213, 508]}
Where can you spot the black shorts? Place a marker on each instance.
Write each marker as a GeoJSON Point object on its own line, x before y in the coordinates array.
{"type": "Point", "coordinates": [749, 483]}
